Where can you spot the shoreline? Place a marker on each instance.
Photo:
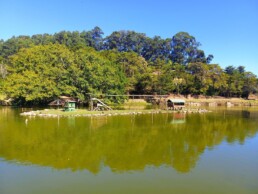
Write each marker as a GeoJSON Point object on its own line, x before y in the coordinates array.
{"type": "Point", "coordinates": [221, 102]}
{"type": "Point", "coordinates": [190, 101]}
{"type": "Point", "coordinates": [87, 113]}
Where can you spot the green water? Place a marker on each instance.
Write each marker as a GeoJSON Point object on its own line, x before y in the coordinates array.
{"type": "Point", "coordinates": [215, 152]}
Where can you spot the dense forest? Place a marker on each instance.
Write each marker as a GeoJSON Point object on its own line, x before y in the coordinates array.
{"type": "Point", "coordinates": [36, 69]}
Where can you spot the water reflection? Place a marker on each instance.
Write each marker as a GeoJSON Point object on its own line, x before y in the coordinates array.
{"type": "Point", "coordinates": [124, 143]}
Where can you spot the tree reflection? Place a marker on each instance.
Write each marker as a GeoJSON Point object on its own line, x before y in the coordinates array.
{"type": "Point", "coordinates": [123, 143]}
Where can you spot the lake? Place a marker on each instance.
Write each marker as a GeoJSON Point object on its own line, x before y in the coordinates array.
{"type": "Point", "coordinates": [214, 152]}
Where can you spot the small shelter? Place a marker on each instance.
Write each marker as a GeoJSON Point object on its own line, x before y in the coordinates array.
{"type": "Point", "coordinates": [175, 104]}
{"type": "Point", "coordinates": [69, 105]}
{"type": "Point", "coordinates": [64, 101]}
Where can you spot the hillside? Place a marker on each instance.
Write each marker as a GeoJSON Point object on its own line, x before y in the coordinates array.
{"type": "Point", "coordinates": [37, 69]}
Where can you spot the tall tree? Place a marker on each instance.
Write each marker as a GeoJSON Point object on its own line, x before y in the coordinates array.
{"type": "Point", "coordinates": [230, 70]}
{"type": "Point", "coordinates": [14, 44]}
{"type": "Point", "coordinates": [132, 65]}
{"type": "Point", "coordinates": [125, 41]}
{"type": "Point", "coordinates": [98, 74]}
{"type": "Point", "coordinates": [218, 80]}
{"type": "Point", "coordinates": [250, 84]}
{"type": "Point", "coordinates": [241, 69]}
{"type": "Point", "coordinates": [156, 48]}
{"type": "Point", "coordinates": [97, 36]}
{"type": "Point", "coordinates": [185, 49]}
{"type": "Point", "coordinates": [235, 82]}
{"type": "Point", "coordinates": [201, 75]}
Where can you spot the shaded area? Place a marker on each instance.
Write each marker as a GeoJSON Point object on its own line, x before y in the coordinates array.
{"type": "Point", "coordinates": [124, 143]}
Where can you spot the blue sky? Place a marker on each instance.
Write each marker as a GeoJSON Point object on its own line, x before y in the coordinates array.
{"type": "Point", "coordinates": [228, 29]}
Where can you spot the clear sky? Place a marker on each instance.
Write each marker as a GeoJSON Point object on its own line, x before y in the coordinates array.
{"type": "Point", "coordinates": [228, 29]}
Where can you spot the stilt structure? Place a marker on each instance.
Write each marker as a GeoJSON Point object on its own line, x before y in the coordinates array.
{"type": "Point", "coordinates": [100, 105]}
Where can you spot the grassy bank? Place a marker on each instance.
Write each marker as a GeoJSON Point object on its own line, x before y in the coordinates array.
{"type": "Point", "coordinates": [223, 101]}
{"type": "Point", "coordinates": [87, 113]}
{"type": "Point", "coordinates": [134, 104]}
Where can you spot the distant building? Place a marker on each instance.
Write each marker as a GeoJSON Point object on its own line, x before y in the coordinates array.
{"type": "Point", "coordinates": [175, 104]}
{"type": "Point", "coordinates": [63, 101]}
{"type": "Point", "coordinates": [69, 105]}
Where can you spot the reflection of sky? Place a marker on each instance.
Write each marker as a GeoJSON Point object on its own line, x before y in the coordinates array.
{"type": "Point", "coordinates": [226, 168]}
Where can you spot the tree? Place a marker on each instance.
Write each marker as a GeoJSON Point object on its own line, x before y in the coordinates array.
{"type": "Point", "coordinates": [201, 75]}
{"type": "Point", "coordinates": [185, 49]}
{"type": "Point", "coordinates": [168, 77]}
{"type": "Point", "coordinates": [250, 84]}
{"type": "Point", "coordinates": [125, 41]}
{"type": "Point", "coordinates": [178, 82]}
{"type": "Point", "coordinates": [77, 63]}
{"type": "Point", "coordinates": [12, 45]}
{"type": "Point", "coordinates": [131, 64]}
{"type": "Point", "coordinates": [98, 74]}
{"type": "Point", "coordinates": [156, 48]}
{"type": "Point", "coordinates": [162, 75]}
{"type": "Point", "coordinates": [241, 69]}
{"type": "Point", "coordinates": [209, 58]}
{"type": "Point", "coordinates": [218, 80]}
{"type": "Point", "coordinates": [41, 73]}
{"type": "Point", "coordinates": [93, 38]}
{"type": "Point", "coordinates": [29, 86]}
{"type": "Point", "coordinates": [235, 82]}
{"type": "Point", "coordinates": [230, 70]}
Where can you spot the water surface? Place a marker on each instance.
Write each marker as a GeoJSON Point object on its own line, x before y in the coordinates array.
{"type": "Point", "coordinates": [166, 153]}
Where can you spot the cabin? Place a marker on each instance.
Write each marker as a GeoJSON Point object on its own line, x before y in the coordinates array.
{"type": "Point", "coordinates": [61, 101]}
{"type": "Point", "coordinates": [175, 104]}
{"type": "Point", "coordinates": [69, 105]}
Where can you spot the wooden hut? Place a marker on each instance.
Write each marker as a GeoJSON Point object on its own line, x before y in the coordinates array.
{"type": "Point", "coordinates": [69, 105]}
{"type": "Point", "coordinates": [175, 104]}
{"type": "Point", "coordinates": [64, 101]}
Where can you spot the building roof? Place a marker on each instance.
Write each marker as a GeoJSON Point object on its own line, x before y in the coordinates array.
{"type": "Point", "coordinates": [176, 100]}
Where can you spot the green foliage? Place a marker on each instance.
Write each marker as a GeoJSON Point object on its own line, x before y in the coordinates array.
{"type": "Point", "coordinates": [41, 73]}
{"type": "Point", "coordinates": [185, 49]}
{"type": "Point", "coordinates": [39, 68]}
{"type": "Point", "coordinates": [218, 80]}
{"type": "Point", "coordinates": [131, 64]}
{"type": "Point", "coordinates": [29, 86]}
{"type": "Point", "coordinates": [102, 75]}
{"type": "Point", "coordinates": [240, 83]}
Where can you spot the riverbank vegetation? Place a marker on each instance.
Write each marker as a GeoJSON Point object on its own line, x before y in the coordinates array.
{"type": "Point", "coordinates": [37, 69]}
